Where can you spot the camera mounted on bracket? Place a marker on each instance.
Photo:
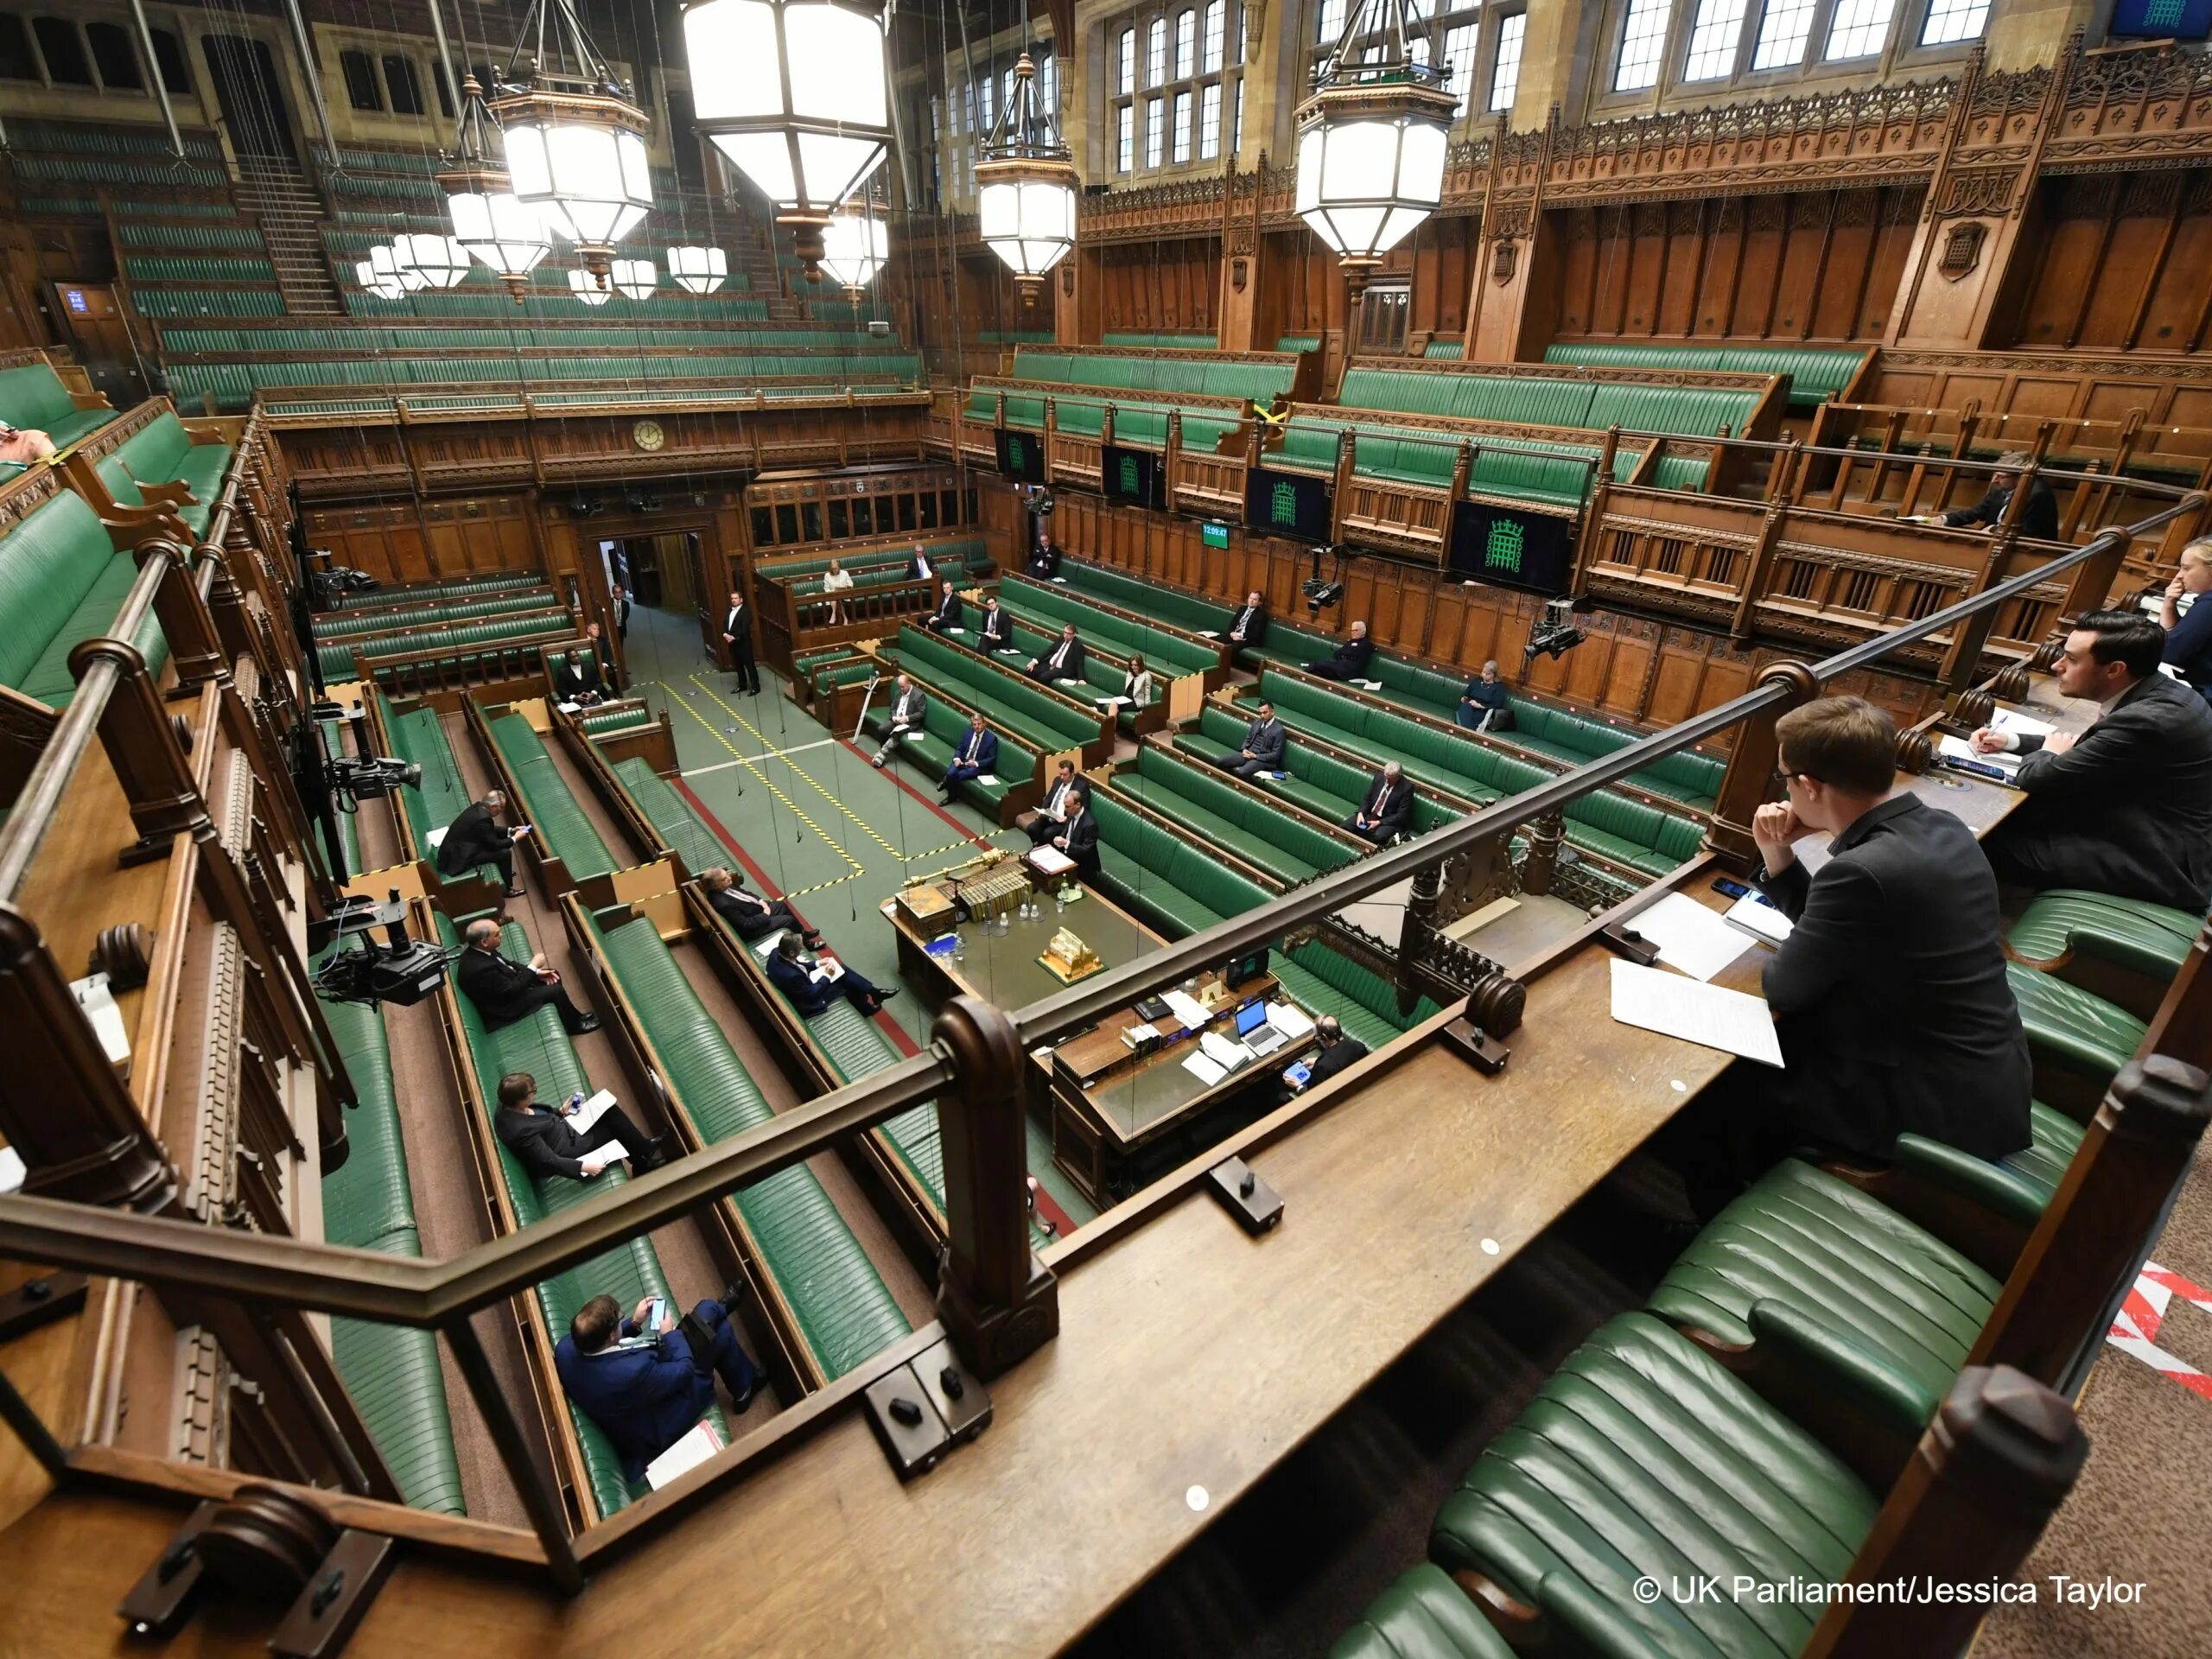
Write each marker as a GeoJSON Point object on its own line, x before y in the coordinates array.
{"type": "Point", "coordinates": [362, 969]}
{"type": "Point", "coordinates": [1556, 634]}
{"type": "Point", "coordinates": [1320, 591]}
{"type": "Point", "coordinates": [1038, 500]}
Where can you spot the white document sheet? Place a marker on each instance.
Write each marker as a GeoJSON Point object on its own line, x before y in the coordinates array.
{"type": "Point", "coordinates": [2020, 725]}
{"type": "Point", "coordinates": [1706, 1014]}
{"type": "Point", "coordinates": [437, 838]}
{"type": "Point", "coordinates": [99, 1004]}
{"type": "Point", "coordinates": [591, 1111]}
{"type": "Point", "coordinates": [612, 1153]}
{"type": "Point", "coordinates": [1290, 1020]}
{"type": "Point", "coordinates": [1224, 1053]}
{"type": "Point", "coordinates": [1204, 1070]}
{"type": "Point", "coordinates": [988, 779]}
{"type": "Point", "coordinates": [1690, 937]}
{"type": "Point", "coordinates": [1764, 920]}
{"type": "Point", "coordinates": [1957, 749]}
{"type": "Point", "coordinates": [689, 1453]}
{"type": "Point", "coordinates": [1208, 634]}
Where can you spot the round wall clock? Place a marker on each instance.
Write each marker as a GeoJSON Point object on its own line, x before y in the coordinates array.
{"type": "Point", "coordinates": [648, 436]}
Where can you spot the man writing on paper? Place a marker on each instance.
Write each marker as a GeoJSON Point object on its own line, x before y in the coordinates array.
{"type": "Point", "coordinates": [978, 753]}
{"type": "Point", "coordinates": [1889, 996]}
{"type": "Point", "coordinates": [546, 1143]}
{"type": "Point", "coordinates": [810, 986]}
{"type": "Point", "coordinates": [908, 706]}
{"type": "Point", "coordinates": [2125, 808]}
{"type": "Point", "coordinates": [1261, 750]}
{"type": "Point", "coordinates": [647, 1389]}
{"type": "Point", "coordinates": [476, 837]}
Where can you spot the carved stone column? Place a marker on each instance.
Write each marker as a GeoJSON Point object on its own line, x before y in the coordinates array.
{"type": "Point", "coordinates": [998, 1302]}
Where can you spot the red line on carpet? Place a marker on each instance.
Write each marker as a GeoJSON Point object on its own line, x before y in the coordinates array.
{"type": "Point", "coordinates": [962, 828]}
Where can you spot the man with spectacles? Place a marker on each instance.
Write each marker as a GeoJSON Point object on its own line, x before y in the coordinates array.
{"type": "Point", "coordinates": [1889, 996]}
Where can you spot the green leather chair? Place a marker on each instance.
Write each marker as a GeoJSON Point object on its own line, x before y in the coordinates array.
{"type": "Point", "coordinates": [33, 395]}
{"type": "Point", "coordinates": [1643, 1457]}
{"type": "Point", "coordinates": [1423, 1616]}
{"type": "Point", "coordinates": [61, 582]}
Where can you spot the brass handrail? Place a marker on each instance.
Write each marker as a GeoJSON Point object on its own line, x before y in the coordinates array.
{"type": "Point", "coordinates": [319, 1277]}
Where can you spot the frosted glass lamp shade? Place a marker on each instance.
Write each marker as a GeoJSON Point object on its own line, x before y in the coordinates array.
{"type": "Point", "coordinates": [375, 282]}
{"type": "Point", "coordinates": [588, 177]}
{"type": "Point", "coordinates": [1364, 184]}
{"type": "Point", "coordinates": [1026, 213]}
{"type": "Point", "coordinates": [440, 261]}
{"type": "Point", "coordinates": [794, 93]}
{"type": "Point", "coordinates": [384, 257]}
{"type": "Point", "coordinates": [585, 287]}
{"type": "Point", "coordinates": [636, 277]}
{"type": "Point", "coordinates": [853, 248]}
{"type": "Point", "coordinates": [699, 270]}
{"type": "Point", "coordinates": [506, 237]}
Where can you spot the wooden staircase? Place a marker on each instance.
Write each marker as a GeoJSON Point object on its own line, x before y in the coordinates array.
{"type": "Point", "coordinates": [272, 190]}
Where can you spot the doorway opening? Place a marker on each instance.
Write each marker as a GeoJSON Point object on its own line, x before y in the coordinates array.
{"type": "Point", "coordinates": [251, 95]}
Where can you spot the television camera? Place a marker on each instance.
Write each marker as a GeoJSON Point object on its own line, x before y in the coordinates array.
{"type": "Point", "coordinates": [364, 968]}
{"type": "Point", "coordinates": [1556, 634]}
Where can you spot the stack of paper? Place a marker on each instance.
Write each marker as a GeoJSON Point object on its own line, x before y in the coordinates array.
{"type": "Point", "coordinates": [1187, 1009]}
{"type": "Point", "coordinates": [1705, 1014]}
{"type": "Point", "coordinates": [689, 1453]}
{"type": "Point", "coordinates": [1203, 1069]}
{"type": "Point", "coordinates": [1223, 1052]}
{"type": "Point", "coordinates": [1051, 860]}
{"type": "Point", "coordinates": [1690, 937]}
{"type": "Point", "coordinates": [1290, 1020]}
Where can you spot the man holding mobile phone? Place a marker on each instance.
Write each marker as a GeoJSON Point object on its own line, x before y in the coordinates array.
{"type": "Point", "coordinates": [645, 1396]}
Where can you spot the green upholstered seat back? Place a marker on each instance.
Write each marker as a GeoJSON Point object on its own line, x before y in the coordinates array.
{"type": "Point", "coordinates": [556, 816]}
{"type": "Point", "coordinates": [48, 563]}
{"type": "Point", "coordinates": [680, 827]}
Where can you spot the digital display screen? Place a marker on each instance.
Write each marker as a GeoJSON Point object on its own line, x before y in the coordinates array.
{"type": "Point", "coordinates": [1532, 551]}
{"type": "Point", "coordinates": [2180, 20]}
{"type": "Point", "coordinates": [1287, 504]}
{"type": "Point", "coordinates": [1131, 475]}
{"type": "Point", "coordinates": [1022, 455]}
{"type": "Point", "coordinates": [74, 299]}
{"type": "Point", "coordinates": [1213, 534]}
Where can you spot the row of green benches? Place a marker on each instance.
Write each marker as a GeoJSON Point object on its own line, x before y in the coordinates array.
{"type": "Point", "coordinates": [340, 659]}
{"type": "Point", "coordinates": [61, 582]}
{"type": "Point", "coordinates": [1102, 675]}
{"type": "Point", "coordinates": [546, 305]}
{"type": "Point", "coordinates": [1286, 849]}
{"type": "Point", "coordinates": [196, 267]}
{"type": "Point", "coordinates": [1048, 606]}
{"type": "Point", "coordinates": [331, 630]}
{"type": "Point", "coordinates": [1816, 372]}
{"type": "Point", "coordinates": [1533, 471]}
{"type": "Point", "coordinates": [1164, 342]}
{"type": "Point", "coordinates": [573, 334]}
{"type": "Point", "coordinates": [32, 395]}
{"type": "Point", "coordinates": [234, 384]}
{"type": "Point", "coordinates": [164, 303]}
{"type": "Point", "coordinates": [1542, 400]}
{"type": "Point", "coordinates": [163, 452]}
{"type": "Point", "coordinates": [560, 828]}
{"type": "Point", "coordinates": [1206, 374]}
{"type": "Point", "coordinates": [1691, 778]}
{"type": "Point", "coordinates": [1041, 718]}
{"type": "Point", "coordinates": [142, 143]}
{"type": "Point", "coordinates": [433, 593]}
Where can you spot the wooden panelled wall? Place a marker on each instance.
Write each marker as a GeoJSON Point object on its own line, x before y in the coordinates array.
{"type": "Point", "coordinates": [409, 541]}
{"type": "Point", "coordinates": [1636, 669]}
{"type": "Point", "coordinates": [1160, 287]}
{"type": "Point", "coordinates": [1307, 292]}
{"type": "Point", "coordinates": [2126, 263]}
{"type": "Point", "coordinates": [1817, 265]}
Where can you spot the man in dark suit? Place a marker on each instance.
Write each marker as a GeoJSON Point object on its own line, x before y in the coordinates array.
{"type": "Point", "coordinates": [752, 916]}
{"type": "Point", "coordinates": [997, 633]}
{"type": "Point", "coordinates": [918, 568]}
{"type": "Point", "coordinates": [737, 634]}
{"type": "Point", "coordinates": [620, 596]}
{"type": "Point", "coordinates": [2038, 518]}
{"type": "Point", "coordinates": [476, 837]}
{"type": "Point", "coordinates": [1262, 748]}
{"type": "Point", "coordinates": [977, 754]}
{"type": "Point", "coordinates": [1249, 627]}
{"type": "Point", "coordinates": [647, 1389]}
{"type": "Point", "coordinates": [2125, 808]}
{"type": "Point", "coordinates": [580, 677]}
{"type": "Point", "coordinates": [1078, 836]}
{"type": "Point", "coordinates": [947, 614]}
{"type": "Point", "coordinates": [504, 990]}
{"type": "Point", "coordinates": [1389, 803]}
{"type": "Point", "coordinates": [1336, 1051]}
{"type": "Point", "coordinates": [1889, 996]}
{"type": "Point", "coordinates": [1352, 658]}
{"type": "Point", "coordinates": [910, 708]}
{"type": "Point", "coordinates": [1044, 560]}
{"type": "Point", "coordinates": [1044, 823]}
{"type": "Point", "coordinates": [543, 1143]}
{"type": "Point", "coordinates": [795, 976]}
{"type": "Point", "coordinates": [1062, 662]}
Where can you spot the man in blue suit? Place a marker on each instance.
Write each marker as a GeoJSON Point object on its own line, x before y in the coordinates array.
{"type": "Point", "coordinates": [794, 975]}
{"type": "Point", "coordinates": [647, 1389]}
{"type": "Point", "coordinates": [978, 753]}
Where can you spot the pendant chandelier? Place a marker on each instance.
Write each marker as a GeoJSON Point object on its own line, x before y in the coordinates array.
{"type": "Point", "coordinates": [797, 94]}
{"type": "Point", "coordinates": [384, 261]}
{"type": "Point", "coordinates": [508, 237]}
{"type": "Point", "coordinates": [440, 261]}
{"type": "Point", "coordinates": [589, 286]}
{"type": "Point", "coordinates": [1372, 141]}
{"type": "Point", "coordinates": [574, 142]}
{"type": "Point", "coordinates": [1025, 183]}
{"type": "Point", "coordinates": [376, 282]}
{"type": "Point", "coordinates": [699, 270]}
{"type": "Point", "coordinates": [855, 246]}
{"type": "Point", "coordinates": [636, 277]}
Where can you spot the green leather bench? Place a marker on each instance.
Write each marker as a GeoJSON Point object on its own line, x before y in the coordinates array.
{"type": "Point", "coordinates": [1627, 832]}
{"type": "Point", "coordinates": [613, 721]}
{"type": "Point", "coordinates": [2077, 1040]}
{"type": "Point", "coordinates": [419, 736]}
{"type": "Point", "coordinates": [1320, 980]}
{"type": "Point", "coordinates": [1423, 1616]}
{"type": "Point", "coordinates": [1644, 1458]}
{"type": "Point", "coordinates": [1164, 342]}
{"type": "Point", "coordinates": [1168, 605]}
{"type": "Point", "coordinates": [61, 582]}
{"type": "Point", "coordinates": [349, 833]}
{"type": "Point", "coordinates": [162, 452]}
{"type": "Point", "coordinates": [437, 593]}
{"type": "Point", "coordinates": [631, 1271]}
{"type": "Point", "coordinates": [556, 661]}
{"type": "Point", "coordinates": [1321, 783]}
{"type": "Point", "coordinates": [2130, 934]}
{"type": "Point", "coordinates": [342, 659]}
{"type": "Point", "coordinates": [33, 395]}
{"type": "Point", "coordinates": [336, 628]}
{"type": "Point", "coordinates": [1104, 678]}
{"type": "Point", "coordinates": [558, 823]}
{"type": "Point", "coordinates": [843, 1312]}
{"type": "Point", "coordinates": [1048, 606]}
{"type": "Point", "coordinates": [391, 1372]}
{"type": "Point", "coordinates": [1039, 718]}
{"type": "Point", "coordinates": [932, 748]}
{"type": "Point", "coordinates": [1166, 882]}
{"type": "Point", "coordinates": [679, 828]}
{"type": "Point", "coordinates": [1205, 374]}
{"type": "Point", "coordinates": [1203, 801]}
{"type": "Point", "coordinates": [1805, 1252]}
{"type": "Point", "coordinates": [1816, 374]}
{"type": "Point", "coordinates": [970, 551]}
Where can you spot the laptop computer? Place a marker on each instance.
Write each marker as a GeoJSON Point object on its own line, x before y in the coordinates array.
{"type": "Point", "coordinates": [1258, 1033]}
